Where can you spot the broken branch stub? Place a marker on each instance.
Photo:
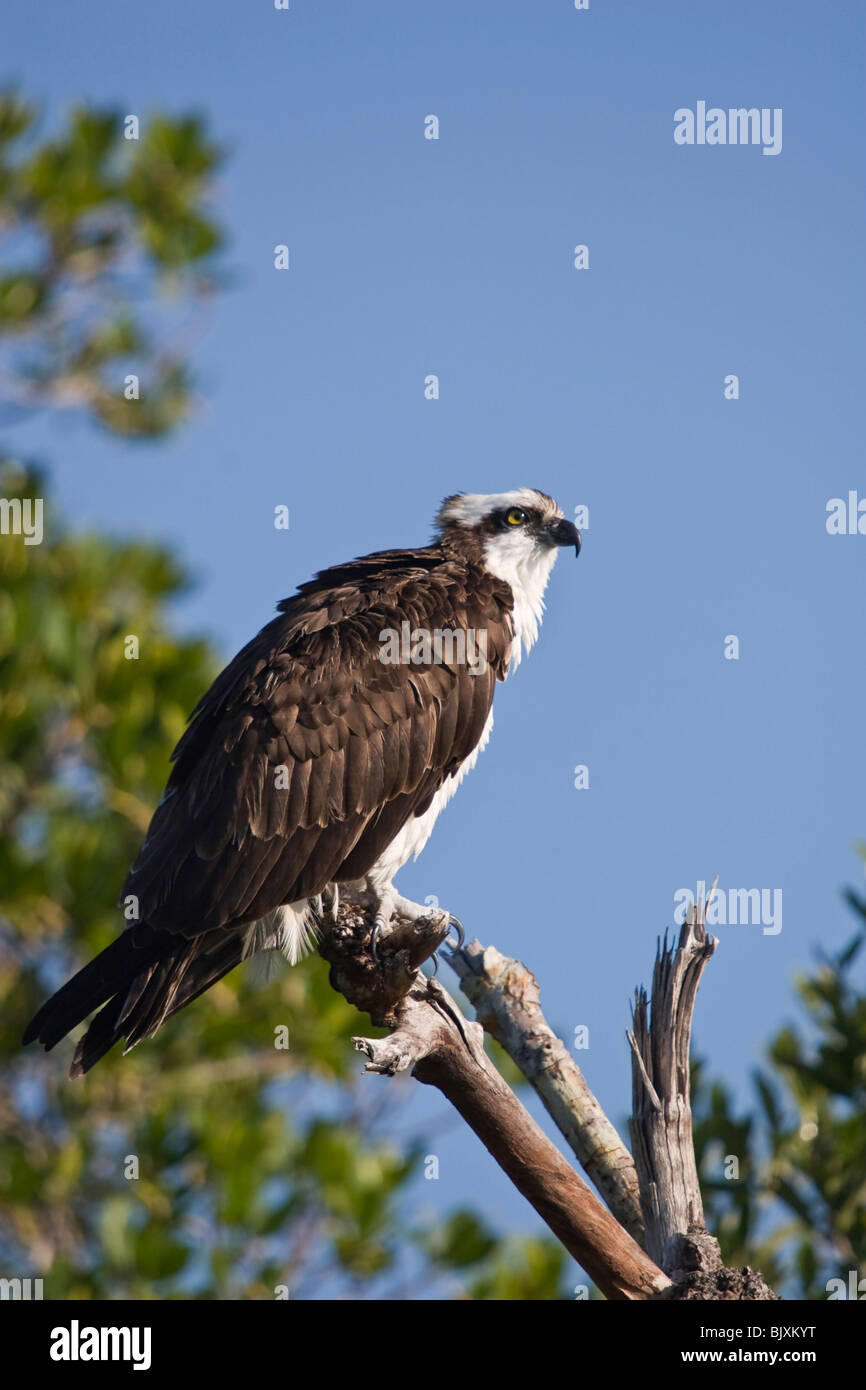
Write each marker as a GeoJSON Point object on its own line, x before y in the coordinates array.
{"type": "Point", "coordinates": [661, 1126]}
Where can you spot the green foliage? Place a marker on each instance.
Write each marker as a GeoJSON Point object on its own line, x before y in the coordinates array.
{"type": "Point", "coordinates": [499, 1270]}
{"type": "Point", "coordinates": [797, 1208]}
{"type": "Point", "coordinates": [106, 241]}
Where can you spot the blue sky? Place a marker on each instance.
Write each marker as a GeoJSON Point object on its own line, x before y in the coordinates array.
{"type": "Point", "coordinates": [604, 387]}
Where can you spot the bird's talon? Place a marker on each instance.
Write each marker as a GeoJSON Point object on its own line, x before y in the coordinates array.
{"type": "Point", "coordinates": [378, 929]}
{"type": "Point", "coordinates": [458, 927]}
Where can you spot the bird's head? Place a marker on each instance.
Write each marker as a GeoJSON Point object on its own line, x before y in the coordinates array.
{"type": "Point", "coordinates": [518, 531]}
{"type": "Point", "coordinates": [516, 536]}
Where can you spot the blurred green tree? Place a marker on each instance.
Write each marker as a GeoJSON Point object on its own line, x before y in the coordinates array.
{"type": "Point", "coordinates": [108, 254]}
{"type": "Point", "coordinates": [795, 1206]}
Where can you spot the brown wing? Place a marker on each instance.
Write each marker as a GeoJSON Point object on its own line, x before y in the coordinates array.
{"type": "Point", "coordinates": [308, 754]}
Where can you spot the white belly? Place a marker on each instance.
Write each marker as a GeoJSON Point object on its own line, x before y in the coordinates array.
{"type": "Point", "coordinates": [409, 843]}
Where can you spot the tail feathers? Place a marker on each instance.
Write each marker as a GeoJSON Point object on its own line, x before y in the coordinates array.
{"type": "Point", "coordinates": [100, 1036]}
{"type": "Point", "coordinates": [102, 977]}
{"type": "Point", "coordinates": [143, 986]}
{"type": "Point", "coordinates": [206, 970]}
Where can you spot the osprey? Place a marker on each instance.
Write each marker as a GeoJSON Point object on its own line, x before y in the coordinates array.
{"type": "Point", "coordinates": [322, 755]}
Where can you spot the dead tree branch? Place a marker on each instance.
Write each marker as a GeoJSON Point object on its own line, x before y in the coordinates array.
{"type": "Point", "coordinates": [662, 1117]}
{"type": "Point", "coordinates": [661, 1125]}
{"type": "Point", "coordinates": [429, 1036]}
{"type": "Point", "coordinates": [506, 999]}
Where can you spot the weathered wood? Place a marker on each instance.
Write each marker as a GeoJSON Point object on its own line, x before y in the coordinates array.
{"type": "Point", "coordinates": [429, 1036]}
{"type": "Point", "coordinates": [661, 1126]}
{"type": "Point", "coordinates": [505, 996]}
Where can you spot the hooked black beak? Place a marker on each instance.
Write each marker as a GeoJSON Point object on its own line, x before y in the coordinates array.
{"type": "Point", "coordinates": [564, 533]}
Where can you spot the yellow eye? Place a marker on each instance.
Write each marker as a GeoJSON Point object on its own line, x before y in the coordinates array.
{"type": "Point", "coordinates": [515, 516]}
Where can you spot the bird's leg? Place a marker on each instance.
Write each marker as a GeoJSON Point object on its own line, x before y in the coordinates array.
{"type": "Point", "coordinates": [386, 906]}
{"type": "Point", "coordinates": [391, 904]}
{"type": "Point", "coordinates": [331, 901]}
{"type": "Point", "coordinates": [414, 911]}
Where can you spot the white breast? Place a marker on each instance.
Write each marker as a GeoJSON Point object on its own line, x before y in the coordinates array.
{"type": "Point", "coordinates": [526, 567]}
{"type": "Point", "coordinates": [410, 841]}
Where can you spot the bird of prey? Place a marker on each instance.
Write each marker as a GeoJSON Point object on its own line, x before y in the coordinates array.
{"type": "Point", "coordinates": [322, 755]}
